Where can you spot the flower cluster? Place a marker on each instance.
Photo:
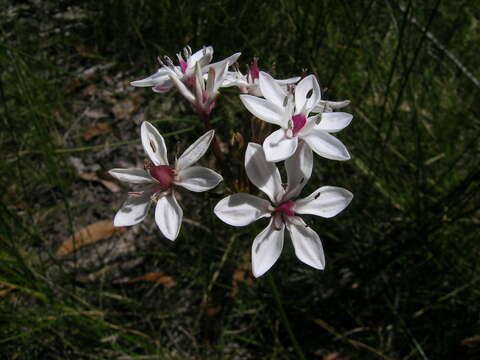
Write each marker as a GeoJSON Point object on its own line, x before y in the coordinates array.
{"type": "Point", "coordinates": [306, 124]}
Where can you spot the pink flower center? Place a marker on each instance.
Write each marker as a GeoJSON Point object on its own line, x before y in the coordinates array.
{"type": "Point", "coordinates": [254, 70]}
{"type": "Point", "coordinates": [163, 174]}
{"type": "Point", "coordinates": [299, 121]}
{"type": "Point", "coordinates": [183, 66]}
{"type": "Point", "coordinates": [286, 208]}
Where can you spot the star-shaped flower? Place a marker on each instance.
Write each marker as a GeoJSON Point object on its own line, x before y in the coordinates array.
{"type": "Point", "coordinates": [158, 179]}
{"type": "Point", "coordinates": [249, 84]}
{"type": "Point", "coordinates": [185, 70]}
{"type": "Point", "coordinates": [242, 209]}
{"type": "Point", "coordinates": [290, 110]}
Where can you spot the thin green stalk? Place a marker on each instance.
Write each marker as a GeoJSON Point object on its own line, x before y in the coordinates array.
{"type": "Point", "coordinates": [283, 316]}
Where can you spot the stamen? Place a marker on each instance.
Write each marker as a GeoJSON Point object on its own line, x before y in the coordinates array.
{"type": "Point", "coordinates": [169, 62]}
{"type": "Point", "coordinates": [304, 73]}
{"type": "Point", "coordinates": [186, 55]}
{"type": "Point", "coordinates": [147, 164]}
{"type": "Point", "coordinates": [135, 194]}
{"type": "Point", "coordinates": [152, 145]}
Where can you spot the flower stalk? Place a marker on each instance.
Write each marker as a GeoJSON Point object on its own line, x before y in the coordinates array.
{"type": "Point", "coordinates": [284, 318]}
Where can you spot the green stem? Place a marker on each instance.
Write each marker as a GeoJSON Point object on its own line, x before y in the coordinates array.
{"type": "Point", "coordinates": [284, 318]}
{"type": "Point", "coordinates": [215, 145]}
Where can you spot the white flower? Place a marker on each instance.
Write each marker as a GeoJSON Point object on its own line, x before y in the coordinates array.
{"type": "Point", "coordinates": [242, 209]}
{"type": "Point", "coordinates": [202, 93]}
{"type": "Point", "coordinates": [249, 84]}
{"type": "Point", "coordinates": [291, 112]}
{"type": "Point", "coordinates": [184, 71]}
{"type": "Point", "coordinates": [157, 181]}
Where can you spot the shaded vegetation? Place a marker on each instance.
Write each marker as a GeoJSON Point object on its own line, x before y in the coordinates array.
{"type": "Point", "coordinates": [402, 276]}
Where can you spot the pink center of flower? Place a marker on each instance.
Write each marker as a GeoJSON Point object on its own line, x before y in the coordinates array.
{"type": "Point", "coordinates": [183, 66]}
{"type": "Point", "coordinates": [299, 121]}
{"type": "Point", "coordinates": [254, 70]}
{"type": "Point", "coordinates": [286, 208]}
{"type": "Point", "coordinates": [163, 174]}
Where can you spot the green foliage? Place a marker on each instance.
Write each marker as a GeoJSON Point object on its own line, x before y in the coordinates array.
{"type": "Point", "coordinates": [402, 261]}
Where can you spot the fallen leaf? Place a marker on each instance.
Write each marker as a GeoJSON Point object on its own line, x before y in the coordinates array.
{"type": "Point", "coordinates": [97, 130]}
{"type": "Point", "coordinates": [156, 277]}
{"type": "Point", "coordinates": [242, 275]}
{"type": "Point", "coordinates": [471, 340]}
{"type": "Point", "coordinates": [95, 114]}
{"type": "Point", "coordinates": [85, 51]}
{"type": "Point", "coordinates": [124, 109]}
{"type": "Point", "coordinates": [88, 235]}
{"type": "Point", "coordinates": [91, 176]}
{"type": "Point", "coordinates": [4, 292]}
{"type": "Point", "coordinates": [90, 90]}
{"type": "Point", "coordinates": [335, 356]}
{"type": "Point", "coordinates": [213, 310]}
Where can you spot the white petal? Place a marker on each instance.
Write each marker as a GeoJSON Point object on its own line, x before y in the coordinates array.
{"type": "Point", "coordinates": [219, 76]}
{"type": "Point", "coordinates": [168, 216]}
{"type": "Point", "coordinates": [234, 78]}
{"type": "Point", "coordinates": [263, 109]}
{"type": "Point", "coordinates": [312, 121]}
{"type": "Point", "coordinates": [299, 169]}
{"type": "Point", "coordinates": [159, 77]}
{"type": "Point", "coordinates": [195, 151]}
{"type": "Point", "coordinates": [202, 56]}
{"type": "Point", "coordinates": [133, 210]}
{"type": "Point", "coordinates": [182, 88]}
{"type": "Point", "coordinates": [278, 146]}
{"type": "Point", "coordinates": [326, 145]}
{"type": "Point", "coordinates": [326, 201]}
{"type": "Point", "coordinates": [132, 176]}
{"type": "Point", "coordinates": [271, 89]}
{"type": "Point", "coordinates": [334, 121]}
{"type": "Point", "coordinates": [263, 174]}
{"type": "Point", "coordinates": [307, 86]}
{"type": "Point", "coordinates": [307, 244]}
{"type": "Point", "coordinates": [232, 59]}
{"type": "Point", "coordinates": [153, 144]}
{"type": "Point", "coordinates": [198, 178]}
{"type": "Point", "coordinates": [266, 248]}
{"type": "Point", "coordinates": [217, 65]}
{"type": "Point", "coordinates": [242, 209]}
{"type": "Point", "coordinates": [288, 81]}
{"type": "Point", "coordinates": [163, 87]}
